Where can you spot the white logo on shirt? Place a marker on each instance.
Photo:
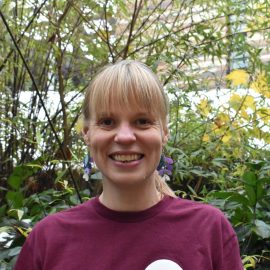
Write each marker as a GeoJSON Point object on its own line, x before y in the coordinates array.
{"type": "Point", "coordinates": [163, 265]}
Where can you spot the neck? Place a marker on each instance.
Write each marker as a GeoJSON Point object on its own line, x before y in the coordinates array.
{"type": "Point", "coordinates": [129, 199]}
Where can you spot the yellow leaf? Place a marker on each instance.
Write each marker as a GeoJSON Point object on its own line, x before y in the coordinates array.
{"type": "Point", "coordinates": [235, 101]}
{"type": "Point", "coordinates": [204, 107]}
{"type": "Point", "coordinates": [238, 77]}
{"type": "Point", "coordinates": [217, 131]}
{"type": "Point", "coordinates": [226, 138]}
{"type": "Point", "coordinates": [205, 138]}
{"type": "Point", "coordinates": [236, 152]}
{"type": "Point", "coordinates": [221, 120]}
{"type": "Point", "coordinates": [244, 114]}
{"type": "Point", "coordinates": [24, 232]}
{"type": "Point", "coordinates": [225, 118]}
{"type": "Point", "coordinates": [250, 102]}
{"type": "Point", "coordinates": [267, 140]}
{"type": "Point", "coordinates": [79, 125]}
{"type": "Point", "coordinates": [260, 85]}
{"type": "Point", "coordinates": [255, 132]}
{"type": "Point", "coordinates": [264, 114]}
{"type": "Point", "coordinates": [235, 124]}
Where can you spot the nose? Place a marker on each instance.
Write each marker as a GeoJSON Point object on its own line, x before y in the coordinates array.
{"type": "Point", "coordinates": [125, 134]}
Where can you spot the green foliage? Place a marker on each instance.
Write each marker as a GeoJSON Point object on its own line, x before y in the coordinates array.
{"type": "Point", "coordinates": [249, 210]}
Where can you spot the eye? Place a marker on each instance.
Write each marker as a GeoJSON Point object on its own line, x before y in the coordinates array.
{"type": "Point", "coordinates": [143, 122]}
{"type": "Point", "coordinates": [106, 122]}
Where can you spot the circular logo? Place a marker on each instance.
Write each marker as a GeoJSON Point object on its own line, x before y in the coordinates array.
{"type": "Point", "coordinates": [163, 265]}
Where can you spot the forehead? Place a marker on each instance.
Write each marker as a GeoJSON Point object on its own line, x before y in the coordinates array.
{"type": "Point", "coordinates": [131, 109]}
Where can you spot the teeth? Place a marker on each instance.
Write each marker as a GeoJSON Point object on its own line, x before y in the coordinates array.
{"type": "Point", "coordinates": [126, 158]}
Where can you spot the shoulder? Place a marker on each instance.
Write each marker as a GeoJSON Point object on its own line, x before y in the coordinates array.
{"type": "Point", "coordinates": [65, 218]}
{"type": "Point", "coordinates": [207, 222]}
{"type": "Point", "coordinates": [198, 213]}
{"type": "Point", "coordinates": [194, 207]}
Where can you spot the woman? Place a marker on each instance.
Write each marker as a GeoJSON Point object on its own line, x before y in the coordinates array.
{"type": "Point", "coordinates": [137, 223]}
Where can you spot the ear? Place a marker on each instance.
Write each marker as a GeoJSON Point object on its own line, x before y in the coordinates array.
{"type": "Point", "coordinates": [86, 137]}
{"type": "Point", "coordinates": [165, 136]}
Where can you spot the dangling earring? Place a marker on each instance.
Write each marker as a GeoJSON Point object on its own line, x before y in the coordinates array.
{"type": "Point", "coordinates": [165, 167]}
{"type": "Point", "coordinates": [87, 167]}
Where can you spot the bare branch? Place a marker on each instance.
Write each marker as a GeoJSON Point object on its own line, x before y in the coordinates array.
{"type": "Point", "coordinates": [23, 33]}
{"type": "Point", "coordinates": [42, 102]}
{"type": "Point", "coordinates": [133, 21]}
{"type": "Point", "coordinates": [107, 31]}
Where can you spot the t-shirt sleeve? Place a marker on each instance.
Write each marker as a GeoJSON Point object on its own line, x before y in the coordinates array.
{"type": "Point", "coordinates": [26, 257]}
{"type": "Point", "coordinates": [29, 255]}
{"type": "Point", "coordinates": [231, 251]}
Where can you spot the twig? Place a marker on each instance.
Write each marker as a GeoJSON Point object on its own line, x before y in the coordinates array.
{"type": "Point", "coordinates": [133, 21]}
{"type": "Point", "coordinates": [107, 31]}
{"type": "Point", "coordinates": [42, 102]}
{"type": "Point", "coordinates": [22, 35]}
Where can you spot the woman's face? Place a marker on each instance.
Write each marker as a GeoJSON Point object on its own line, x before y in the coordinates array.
{"type": "Point", "coordinates": [126, 144]}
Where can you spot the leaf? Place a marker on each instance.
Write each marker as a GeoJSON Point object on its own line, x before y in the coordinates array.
{"type": "Point", "coordinates": [226, 138]}
{"type": "Point", "coordinates": [239, 198]}
{"type": "Point", "coordinates": [250, 102]}
{"type": "Point", "coordinates": [265, 180]}
{"type": "Point", "coordinates": [262, 229]}
{"type": "Point", "coordinates": [231, 197]}
{"type": "Point", "coordinates": [251, 194]}
{"type": "Point", "coordinates": [264, 114]}
{"type": "Point", "coordinates": [235, 101]}
{"type": "Point", "coordinates": [20, 173]}
{"type": "Point", "coordinates": [220, 162]}
{"type": "Point", "coordinates": [19, 213]}
{"type": "Point", "coordinates": [32, 165]}
{"type": "Point", "coordinates": [79, 125]}
{"type": "Point", "coordinates": [223, 194]}
{"type": "Point", "coordinates": [244, 114]}
{"type": "Point", "coordinates": [24, 232]}
{"type": "Point", "coordinates": [15, 199]}
{"type": "Point", "coordinates": [248, 262]}
{"type": "Point", "coordinates": [14, 251]}
{"type": "Point", "coordinates": [205, 138]}
{"type": "Point", "coordinates": [261, 192]}
{"type": "Point", "coordinates": [204, 107]}
{"type": "Point", "coordinates": [238, 77]}
{"type": "Point", "coordinates": [255, 165]}
{"type": "Point", "coordinates": [250, 178]}
{"type": "Point", "coordinates": [6, 229]}
{"type": "Point", "coordinates": [261, 85]}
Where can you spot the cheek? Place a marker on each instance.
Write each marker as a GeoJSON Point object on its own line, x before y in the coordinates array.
{"type": "Point", "coordinates": [154, 143]}
{"type": "Point", "coordinates": [98, 143]}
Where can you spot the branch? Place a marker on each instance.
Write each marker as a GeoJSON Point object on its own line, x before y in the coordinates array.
{"type": "Point", "coordinates": [88, 23]}
{"type": "Point", "coordinates": [141, 26]}
{"type": "Point", "coordinates": [107, 31]}
{"type": "Point", "coordinates": [22, 35]}
{"type": "Point", "coordinates": [42, 102]}
{"type": "Point", "coordinates": [148, 18]}
{"type": "Point", "coordinates": [133, 21]}
{"type": "Point", "coordinates": [207, 43]}
{"type": "Point", "coordinates": [171, 33]}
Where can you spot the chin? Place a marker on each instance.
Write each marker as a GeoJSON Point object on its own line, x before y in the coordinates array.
{"type": "Point", "coordinates": [128, 180]}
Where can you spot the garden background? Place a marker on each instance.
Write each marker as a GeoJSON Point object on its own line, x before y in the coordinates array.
{"type": "Point", "coordinates": [213, 59]}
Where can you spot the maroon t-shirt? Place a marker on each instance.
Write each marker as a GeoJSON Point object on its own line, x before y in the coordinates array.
{"type": "Point", "coordinates": [175, 234]}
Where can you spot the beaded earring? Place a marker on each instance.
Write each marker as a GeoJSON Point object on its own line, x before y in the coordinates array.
{"type": "Point", "coordinates": [165, 167]}
{"type": "Point", "coordinates": [87, 166]}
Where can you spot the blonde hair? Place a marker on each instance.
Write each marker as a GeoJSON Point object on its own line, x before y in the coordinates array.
{"type": "Point", "coordinates": [120, 83]}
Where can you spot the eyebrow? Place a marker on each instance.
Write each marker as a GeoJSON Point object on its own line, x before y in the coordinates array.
{"type": "Point", "coordinates": [137, 114]}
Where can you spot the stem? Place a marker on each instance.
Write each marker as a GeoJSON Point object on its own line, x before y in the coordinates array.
{"type": "Point", "coordinates": [42, 103]}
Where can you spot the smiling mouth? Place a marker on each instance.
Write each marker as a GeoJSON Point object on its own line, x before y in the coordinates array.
{"type": "Point", "coordinates": [126, 158]}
